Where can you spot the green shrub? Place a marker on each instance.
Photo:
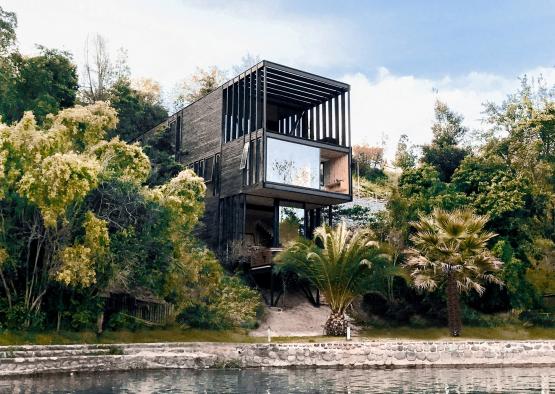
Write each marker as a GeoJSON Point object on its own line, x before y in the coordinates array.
{"type": "Point", "coordinates": [122, 321]}
{"type": "Point", "coordinates": [231, 304]}
{"type": "Point", "coordinates": [538, 318]}
{"type": "Point", "coordinates": [375, 175]}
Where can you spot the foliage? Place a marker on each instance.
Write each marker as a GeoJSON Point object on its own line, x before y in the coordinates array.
{"type": "Point", "coordinates": [520, 293]}
{"type": "Point", "coordinates": [122, 161]}
{"type": "Point", "coordinates": [451, 248]}
{"type": "Point", "coordinates": [198, 85]}
{"type": "Point", "coordinates": [405, 157]}
{"type": "Point", "coordinates": [233, 304]}
{"type": "Point", "coordinates": [44, 84]}
{"type": "Point", "coordinates": [444, 153]}
{"type": "Point", "coordinates": [77, 221]}
{"type": "Point", "coordinates": [340, 267]}
{"type": "Point", "coordinates": [139, 109]}
{"type": "Point", "coordinates": [368, 158]}
{"type": "Point", "coordinates": [8, 24]}
{"type": "Point", "coordinates": [158, 147]}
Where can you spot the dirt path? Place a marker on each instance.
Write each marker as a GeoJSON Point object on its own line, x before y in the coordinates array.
{"type": "Point", "coordinates": [297, 317]}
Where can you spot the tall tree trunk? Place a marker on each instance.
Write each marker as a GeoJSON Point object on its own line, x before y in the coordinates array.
{"type": "Point", "coordinates": [453, 306]}
{"type": "Point", "coordinates": [336, 325]}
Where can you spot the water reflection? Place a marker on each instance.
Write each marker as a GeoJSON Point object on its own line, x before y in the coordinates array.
{"type": "Point", "coordinates": [498, 380]}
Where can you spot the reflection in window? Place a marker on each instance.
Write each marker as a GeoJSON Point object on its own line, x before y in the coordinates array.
{"type": "Point", "coordinates": [291, 224]}
{"type": "Point", "coordinates": [293, 164]}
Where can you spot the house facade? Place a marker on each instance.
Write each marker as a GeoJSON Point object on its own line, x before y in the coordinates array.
{"type": "Point", "coordinates": [273, 145]}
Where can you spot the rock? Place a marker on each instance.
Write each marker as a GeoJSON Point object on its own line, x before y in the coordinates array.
{"type": "Point", "coordinates": [399, 355]}
{"type": "Point", "coordinates": [432, 357]}
{"type": "Point", "coordinates": [328, 356]}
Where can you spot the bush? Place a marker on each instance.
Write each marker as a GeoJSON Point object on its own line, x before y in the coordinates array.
{"type": "Point", "coordinates": [122, 321]}
{"type": "Point", "coordinates": [538, 318]}
{"type": "Point", "coordinates": [375, 175]}
{"type": "Point", "coordinates": [231, 304]}
{"type": "Point", "coordinates": [18, 316]}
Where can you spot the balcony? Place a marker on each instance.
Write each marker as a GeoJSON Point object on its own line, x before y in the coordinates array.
{"type": "Point", "coordinates": [286, 101]}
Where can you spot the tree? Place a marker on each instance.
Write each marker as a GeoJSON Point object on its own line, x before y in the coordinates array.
{"type": "Point", "coordinates": [338, 262]}
{"type": "Point", "coordinates": [100, 71]}
{"type": "Point", "coordinates": [138, 111]}
{"type": "Point", "coordinates": [8, 24]}
{"type": "Point", "coordinates": [198, 85]}
{"type": "Point", "coordinates": [45, 84]}
{"type": "Point", "coordinates": [450, 249]}
{"type": "Point", "coordinates": [369, 156]}
{"type": "Point", "coordinates": [444, 152]}
{"type": "Point", "coordinates": [404, 156]}
{"type": "Point", "coordinates": [71, 202]}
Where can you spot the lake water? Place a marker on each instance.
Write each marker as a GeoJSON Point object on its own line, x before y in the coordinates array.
{"type": "Point", "coordinates": [318, 380]}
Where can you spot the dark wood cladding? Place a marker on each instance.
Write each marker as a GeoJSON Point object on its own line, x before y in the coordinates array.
{"type": "Point", "coordinates": [231, 174]}
{"type": "Point", "coordinates": [201, 128]}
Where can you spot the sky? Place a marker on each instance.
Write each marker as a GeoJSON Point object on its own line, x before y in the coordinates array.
{"type": "Point", "coordinates": [398, 56]}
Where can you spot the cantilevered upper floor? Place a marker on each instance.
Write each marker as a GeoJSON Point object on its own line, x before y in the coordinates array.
{"type": "Point", "coordinates": [286, 101]}
{"type": "Point", "coordinates": [272, 132]}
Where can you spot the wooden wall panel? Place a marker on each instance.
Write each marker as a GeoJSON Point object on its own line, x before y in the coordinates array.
{"type": "Point", "coordinates": [231, 175]}
{"type": "Point", "coordinates": [202, 128]}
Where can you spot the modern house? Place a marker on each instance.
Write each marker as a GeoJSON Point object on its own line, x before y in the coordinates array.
{"type": "Point", "coordinates": [273, 145]}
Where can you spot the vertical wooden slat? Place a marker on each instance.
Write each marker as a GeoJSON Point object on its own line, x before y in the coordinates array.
{"type": "Point", "coordinates": [330, 114]}
{"type": "Point", "coordinates": [251, 106]}
{"type": "Point", "coordinates": [244, 224]}
{"type": "Point", "coordinates": [224, 113]}
{"type": "Point", "coordinates": [343, 122]}
{"type": "Point", "coordinates": [304, 124]}
{"type": "Point", "coordinates": [324, 121]}
{"type": "Point", "coordinates": [257, 161]}
{"type": "Point", "coordinates": [232, 117]}
{"type": "Point", "coordinates": [265, 103]}
{"type": "Point", "coordinates": [318, 124]}
{"type": "Point", "coordinates": [240, 109]}
{"type": "Point", "coordinates": [257, 88]}
{"type": "Point", "coordinates": [276, 223]}
{"type": "Point", "coordinates": [311, 127]}
{"type": "Point", "coordinates": [237, 90]}
{"type": "Point", "coordinates": [245, 130]}
{"type": "Point", "coordinates": [336, 114]}
{"type": "Point", "coordinates": [349, 116]}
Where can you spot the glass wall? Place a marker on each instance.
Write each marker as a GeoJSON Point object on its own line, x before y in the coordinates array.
{"type": "Point", "coordinates": [291, 224]}
{"type": "Point", "coordinates": [307, 166]}
{"type": "Point", "coordinates": [293, 164]}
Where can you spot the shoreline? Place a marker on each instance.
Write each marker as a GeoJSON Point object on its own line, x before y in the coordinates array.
{"type": "Point", "coordinates": [28, 360]}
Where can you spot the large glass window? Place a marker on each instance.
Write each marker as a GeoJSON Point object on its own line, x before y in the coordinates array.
{"type": "Point", "coordinates": [307, 166]}
{"type": "Point", "coordinates": [293, 164]}
{"type": "Point", "coordinates": [291, 224]}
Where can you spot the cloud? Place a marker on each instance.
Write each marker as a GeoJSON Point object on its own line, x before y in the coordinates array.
{"type": "Point", "coordinates": [392, 105]}
{"type": "Point", "coordinates": [167, 40]}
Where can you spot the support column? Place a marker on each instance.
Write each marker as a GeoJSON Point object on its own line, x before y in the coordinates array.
{"type": "Point", "coordinates": [276, 223]}
{"type": "Point", "coordinates": [330, 219]}
{"type": "Point", "coordinates": [305, 222]}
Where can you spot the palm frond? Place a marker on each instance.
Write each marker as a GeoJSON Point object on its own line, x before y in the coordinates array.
{"type": "Point", "coordinates": [452, 243]}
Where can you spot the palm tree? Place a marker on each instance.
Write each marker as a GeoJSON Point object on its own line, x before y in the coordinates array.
{"type": "Point", "coordinates": [451, 248]}
{"type": "Point", "coordinates": [338, 263]}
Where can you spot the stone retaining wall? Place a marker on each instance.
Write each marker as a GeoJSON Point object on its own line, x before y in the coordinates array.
{"type": "Point", "coordinates": [26, 360]}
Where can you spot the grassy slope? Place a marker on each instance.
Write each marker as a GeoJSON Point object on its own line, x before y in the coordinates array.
{"type": "Point", "coordinates": [369, 189]}
{"type": "Point", "coordinates": [10, 338]}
